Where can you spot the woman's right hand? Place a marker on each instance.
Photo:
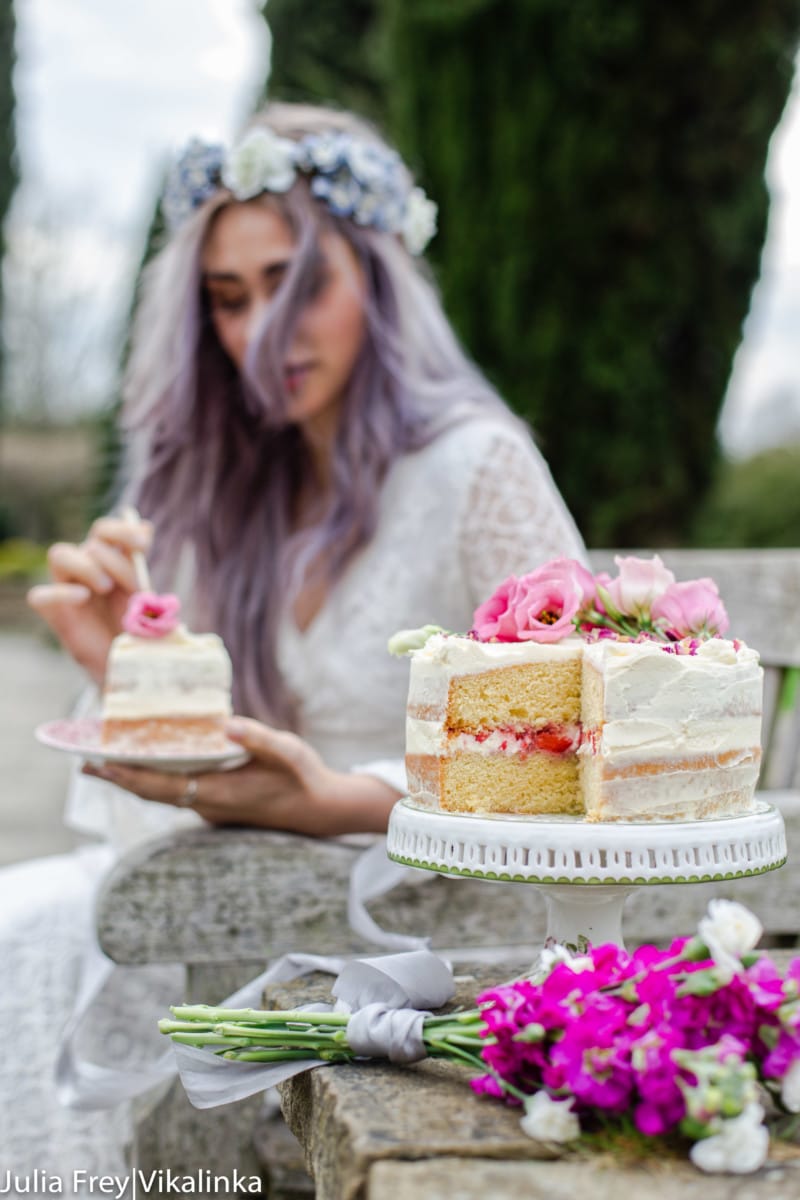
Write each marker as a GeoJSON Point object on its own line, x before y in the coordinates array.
{"type": "Point", "coordinates": [91, 585]}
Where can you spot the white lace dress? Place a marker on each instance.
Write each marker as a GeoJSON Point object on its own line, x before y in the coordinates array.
{"type": "Point", "coordinates": [455, 519]}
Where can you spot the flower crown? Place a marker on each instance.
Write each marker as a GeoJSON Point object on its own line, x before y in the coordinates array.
{"type": "Point", "coordinates": [354, 178]}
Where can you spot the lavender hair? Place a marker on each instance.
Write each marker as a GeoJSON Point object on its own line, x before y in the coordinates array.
{"type": "Point", "coordinates": [220, 466]}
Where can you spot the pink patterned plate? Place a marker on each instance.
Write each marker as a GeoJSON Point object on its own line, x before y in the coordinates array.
{"type": "Point", "coordinates": [82, 736]}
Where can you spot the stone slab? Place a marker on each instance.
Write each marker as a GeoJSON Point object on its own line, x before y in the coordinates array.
{"type": "Point", "coordinates": [481, 1179]}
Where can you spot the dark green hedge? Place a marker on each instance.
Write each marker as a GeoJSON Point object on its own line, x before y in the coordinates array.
{"type": "Point", "coordinates": [753, 503]}
{"type": "Point", "coordinates": [600, 173]}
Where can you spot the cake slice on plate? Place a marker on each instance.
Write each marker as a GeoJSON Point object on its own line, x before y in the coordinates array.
{"type": "Point", "coordinates": [167, 691]}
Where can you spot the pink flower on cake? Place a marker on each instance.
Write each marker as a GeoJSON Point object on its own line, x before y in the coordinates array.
{"type": "Point", "coordinates": [639, 583]}
{"type": "Point", "coordinates": [150, 615]}
{"type": "Point", "coordinates": [687, 608]}
{"type": "Point", "coordinates": [493, 618]}
{"type": "Point", "coordinates": [540, 606]}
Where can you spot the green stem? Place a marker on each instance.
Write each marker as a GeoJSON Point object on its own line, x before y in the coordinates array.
{"type": "Point", "coordinates": [208, 1039]}
{"type": "Point", "coordinates": [256, 1016]}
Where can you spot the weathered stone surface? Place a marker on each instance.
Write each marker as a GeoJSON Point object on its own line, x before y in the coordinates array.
{"type": "Point", "coordinates": [224, 896]}
{"type": "Point", "coordinates": [456, 1178]}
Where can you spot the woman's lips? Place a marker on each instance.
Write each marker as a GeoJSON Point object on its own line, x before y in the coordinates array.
{"type": "Point", "coordinates": [295, 375]}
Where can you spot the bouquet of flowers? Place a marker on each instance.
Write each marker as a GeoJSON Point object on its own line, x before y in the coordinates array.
{"type": "Point", "coordinates": [690, 1040]}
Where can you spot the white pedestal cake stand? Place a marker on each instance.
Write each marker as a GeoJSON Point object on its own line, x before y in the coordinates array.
{"type": "Point", "coordinates": [585, 871]}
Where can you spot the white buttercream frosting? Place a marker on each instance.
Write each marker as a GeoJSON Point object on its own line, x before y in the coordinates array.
{"type": "Point", "coordinates": [182, 674]}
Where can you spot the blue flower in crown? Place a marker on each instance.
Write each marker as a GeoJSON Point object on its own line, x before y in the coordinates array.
{"type": "Point", "coordinates": [195, 175]}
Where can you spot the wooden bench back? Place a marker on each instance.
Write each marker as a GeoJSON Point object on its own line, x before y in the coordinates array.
{"type": "Point", "coordinates": [761, 591]}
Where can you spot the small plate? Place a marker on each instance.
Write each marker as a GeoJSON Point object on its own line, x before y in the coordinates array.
{"type": "Point", "coordinates": [83, 736]}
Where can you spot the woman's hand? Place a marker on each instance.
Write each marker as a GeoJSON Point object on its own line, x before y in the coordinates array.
{"type": "Point", "coordinates": [286, 785]}
{"type": "Point", "coordinates": [92, 583]}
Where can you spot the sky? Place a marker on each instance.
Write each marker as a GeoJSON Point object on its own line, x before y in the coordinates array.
{"type": "Point", "coordinates": [108, 90]}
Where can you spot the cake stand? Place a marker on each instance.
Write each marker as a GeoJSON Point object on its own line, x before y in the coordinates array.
{"type": "Point", "coordinates": [585, 871]}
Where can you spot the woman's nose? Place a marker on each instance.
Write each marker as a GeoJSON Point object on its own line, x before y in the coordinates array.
{"type": "Point", "coordinates": [255, 320]}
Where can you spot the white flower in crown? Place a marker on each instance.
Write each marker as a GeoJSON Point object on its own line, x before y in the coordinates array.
{"type": "Point", "coordinates": [419, 222]}
{"type": "Point", "coordinates": [261, 162]}
{"type": "Point", "coordinates": [371, 165]}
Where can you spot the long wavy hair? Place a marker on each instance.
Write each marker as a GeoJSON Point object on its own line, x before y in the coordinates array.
{"type": "Point", "coordinates": [219, 465]}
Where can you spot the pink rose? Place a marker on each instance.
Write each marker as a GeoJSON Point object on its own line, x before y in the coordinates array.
{"type": "Point", "coordinates": [149, 615]}
{"type": "Point", "coordinates": [537, 607]}
{"type": "Point", "coordinates": [693, 607]}
{"type": "Point", "coordinates": [639, 583]}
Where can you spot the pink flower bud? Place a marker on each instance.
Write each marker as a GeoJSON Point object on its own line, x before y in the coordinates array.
{"type": "Point", "coordinates": [149, 615]}
{"type": "Point", "coordinates": [639, 583]}
{"type": "Point", "coordinates": [690, 608]}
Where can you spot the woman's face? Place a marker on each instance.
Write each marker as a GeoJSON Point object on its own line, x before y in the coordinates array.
{"type": "Point", "coordinates": [247, 253]}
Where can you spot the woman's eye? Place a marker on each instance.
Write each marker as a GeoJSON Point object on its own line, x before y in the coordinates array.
{"type": "Point", "coordinates": [228, 304]}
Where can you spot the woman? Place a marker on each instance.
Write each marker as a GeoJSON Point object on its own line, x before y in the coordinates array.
{"type": "Point", "coordinates": [317, 442]}
{"type": "Point", "coordinates": [318, 465]}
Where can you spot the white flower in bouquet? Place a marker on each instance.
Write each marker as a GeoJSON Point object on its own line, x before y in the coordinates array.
{"type": "Point", "coordinates": [739, 1147]}
{"type": "Point", "coordinates": [549, 1120]}
{"type": "Point", "coordinates": [261, 161]}
{"type": "Point", "coordinates": [728, 931]}
{"type": "Point", "coordinates": [419, 224]}
{"type": "Point", "coordinates": [790, 1087]}
{"type": "Point", "coordinates": [557, 955]}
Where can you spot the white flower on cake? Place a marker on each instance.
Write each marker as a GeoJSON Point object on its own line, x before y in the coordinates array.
{"type": "Point", "coordinates": [549, 1120]}
{"type": "Point", "coordinates": [261, 161]}
{"type": "Point", "coordinates": [740, 1146]}
{"type": "Point", "coordinates": [729, 931]}
{"type": "Point", "coordinates": [419, 223]}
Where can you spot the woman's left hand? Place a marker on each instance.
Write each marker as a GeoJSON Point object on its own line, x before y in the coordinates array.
{"type": "Point", "coordinates": [285, 785]}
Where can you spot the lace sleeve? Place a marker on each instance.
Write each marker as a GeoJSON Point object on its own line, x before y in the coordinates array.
{"type": "Point", "coordinates": [514, 518]}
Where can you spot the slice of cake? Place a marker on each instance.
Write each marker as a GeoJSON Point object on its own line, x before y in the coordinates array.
{"type": "Point", "coordinates": [613, 699]}
{"type": "Point", "coordinates": [670, 734]}
{"type": "Point", "coordinates": [167, 691]}
{"type": "Point", "coordinates": [494, 727]}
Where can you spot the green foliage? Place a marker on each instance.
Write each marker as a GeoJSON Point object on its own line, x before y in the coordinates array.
{"type": "Point", "coordinates": [599, 170]}
{"type": "Point", "coordinates": [327, 52]}
{"type": "Point", "coordinates": [753, 503]}
{"type": "Point", "coordinates": [21, 559]}
{"type": "Point", "coordinates": [8, 152]}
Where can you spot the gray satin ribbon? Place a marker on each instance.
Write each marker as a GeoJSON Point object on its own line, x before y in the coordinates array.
{"type": "Point", "coordinates": [394, 1033]}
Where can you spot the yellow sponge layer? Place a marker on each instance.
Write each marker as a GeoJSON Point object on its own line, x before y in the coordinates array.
{"type": "Point", "coordinates": [541, 783]}
{"type": "Point", "coordinates": [530, 694]}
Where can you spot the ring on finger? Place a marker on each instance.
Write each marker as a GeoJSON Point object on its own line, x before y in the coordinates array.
{"type": "Point", "coordinates": [188, 796]}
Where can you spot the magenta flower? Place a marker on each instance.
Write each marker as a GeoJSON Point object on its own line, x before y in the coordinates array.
{"type": "Point", "coordinates": [149, 615]}
{"type": "Point", "coordinates": [694, 607]}
{"type": "Point", "coordinates": [541, 606]}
